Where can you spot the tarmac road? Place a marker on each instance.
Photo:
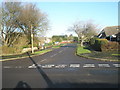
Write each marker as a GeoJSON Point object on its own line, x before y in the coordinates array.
{"type": "Point", "coordinates": [60, 68]}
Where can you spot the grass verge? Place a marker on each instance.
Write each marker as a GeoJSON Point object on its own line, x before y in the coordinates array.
{"type": "Point", "coordinates": [5, 57]}
{"type": "Point", "coordinates": [82, 50]}
{"type": "Point", "coordinates": [86, 52]}
{"type": "Point", "coordinates": [42, 51]}
{"type": "Point", "coordinates": [25, 55]}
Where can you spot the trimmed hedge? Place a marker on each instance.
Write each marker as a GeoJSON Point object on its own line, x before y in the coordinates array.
{"type": "Point", "coordinates": [97, 43]}
{"type": "Point", "coordinates": [104, 45]}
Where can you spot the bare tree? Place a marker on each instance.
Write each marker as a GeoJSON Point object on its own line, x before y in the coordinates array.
{"type": "Point", "coordinates": [32, 18]}
{"type": "Point", "coordinates": [10, 11]}
{"type": "Point", "coordinates": [84, 30]}
{"type": "Point", "coordinates": [21, 17]}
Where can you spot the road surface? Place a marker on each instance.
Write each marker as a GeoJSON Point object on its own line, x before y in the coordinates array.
{"type": "Point", "coordinates": [60, 68]}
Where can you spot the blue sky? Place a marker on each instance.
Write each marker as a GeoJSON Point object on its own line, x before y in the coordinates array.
{"type": "Point", "coordinates": [63, 14]}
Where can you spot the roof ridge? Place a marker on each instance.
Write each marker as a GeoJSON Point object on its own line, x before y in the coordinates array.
{"type": "Point", "coordinates": [112, 26]}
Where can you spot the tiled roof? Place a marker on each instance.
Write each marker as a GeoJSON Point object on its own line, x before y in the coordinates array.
{"type": "Point", "coordinates": [112, 30]}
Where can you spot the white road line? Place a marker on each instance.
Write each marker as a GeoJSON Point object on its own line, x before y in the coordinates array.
{"type": "Point", "coordinates": [60, 51]}
{"type": "Point", "coordinates": [18, 67]}
{"type": "Point", "coordinates": [88, 65]}
{"type": "Point", "coordinates": [61, 66]}
{"type": "Point", "coordinates": [53, 55]}
{"type": "Point", "coordinates": [13, 67]}
{"type": "Point", "coordinates": [103, 65]}
{"type": "Point", "coordinates": [32, 66]}
{"type": "Point", "coordinates": [6, 67]}
{"type": "Point", "coordinates": [43, 60]}
{"type": "Point", "coordinates": [116, 65]}
{"type": "Point", "coordinates": [74, 65]}
{"type": "Point", "coordinates": [70, 65]}
{"type": "Point", "coordinates": [48, 66]}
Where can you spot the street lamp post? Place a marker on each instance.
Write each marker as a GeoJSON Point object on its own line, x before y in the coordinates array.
{"type": "Point", "coordinates": [32, 40]}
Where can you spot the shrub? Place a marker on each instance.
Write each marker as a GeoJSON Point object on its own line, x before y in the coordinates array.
{"type": "Point", "coordinates": [110, 46]}
{"type": "Point", "coordinates": [20, 43]}
{"type": "Point", "coordinates": [99, 42]}
{"type": "Point", "coordinates": [92, 41]}
{"type": "Point", "coordinates": [8, 50]}
{"type": "Point", "coordinates": [96, 43]}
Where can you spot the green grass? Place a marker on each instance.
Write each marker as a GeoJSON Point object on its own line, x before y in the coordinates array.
{"type": "Point", "coordinates": [116, 54]}
{"type": "Point", "coordinates": [43, 51]}
{"type": "Point", "coordinates": [57, 46]}
{"type": "Point", "coordinates": [82, 50]}
{"type": "Point", "coordinates": [24, 55]}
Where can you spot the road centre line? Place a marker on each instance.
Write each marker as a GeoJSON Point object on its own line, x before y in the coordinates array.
{"type": "Point", "coordinates": [43, 60]}
{"type": "Point", "coordinates": [60, 51]}
{"type": "Point", "coordinates": [53, 55]}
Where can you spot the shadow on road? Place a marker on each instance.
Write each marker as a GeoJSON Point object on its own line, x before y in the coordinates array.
{"type": "Point", "coordinates": [84, 85]}
{"type": "Point", "coordinates": [44, 75]}
{"type": "Point", "coordinates": [21, 85]}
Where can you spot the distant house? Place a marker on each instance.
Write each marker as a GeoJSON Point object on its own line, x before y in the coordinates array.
{"type": "Point", "coordinates": [47, 40]}
{"type": "Point", "coordinates": [111, 33]}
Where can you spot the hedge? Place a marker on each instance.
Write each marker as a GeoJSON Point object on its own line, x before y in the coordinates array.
{"type": "Point", "coordinates": [111, 46]}
{"type": "Point", "coordinates": [96, 43]}
{"type": "Point", "coordinates": [104, 45]}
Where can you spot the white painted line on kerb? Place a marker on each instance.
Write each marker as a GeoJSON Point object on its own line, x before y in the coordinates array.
{"type": "Point", "coordinates": [74, 65]}
{"type": "Point", "coordinates": [116, 65]}
{"type": "Point", "coordinates": [88, 65]}
{"type": "Point", "coordinates": [103, 65]}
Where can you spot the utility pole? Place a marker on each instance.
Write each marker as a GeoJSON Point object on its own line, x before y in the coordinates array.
{"type": "Point", "coordinates": [32, 40]}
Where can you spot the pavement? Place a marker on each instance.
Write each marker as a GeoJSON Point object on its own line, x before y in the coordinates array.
{"type": "Point", "coordinates": [60, 68]}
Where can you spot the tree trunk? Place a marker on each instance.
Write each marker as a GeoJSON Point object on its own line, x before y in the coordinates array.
{"type": "Point", "coordinates": [81, 43]}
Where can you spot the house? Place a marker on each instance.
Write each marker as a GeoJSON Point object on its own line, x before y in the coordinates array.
{"type": "Point", "coordinates": [47, 40]}
{"type": "Point", "coordinates": [111, 33]}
